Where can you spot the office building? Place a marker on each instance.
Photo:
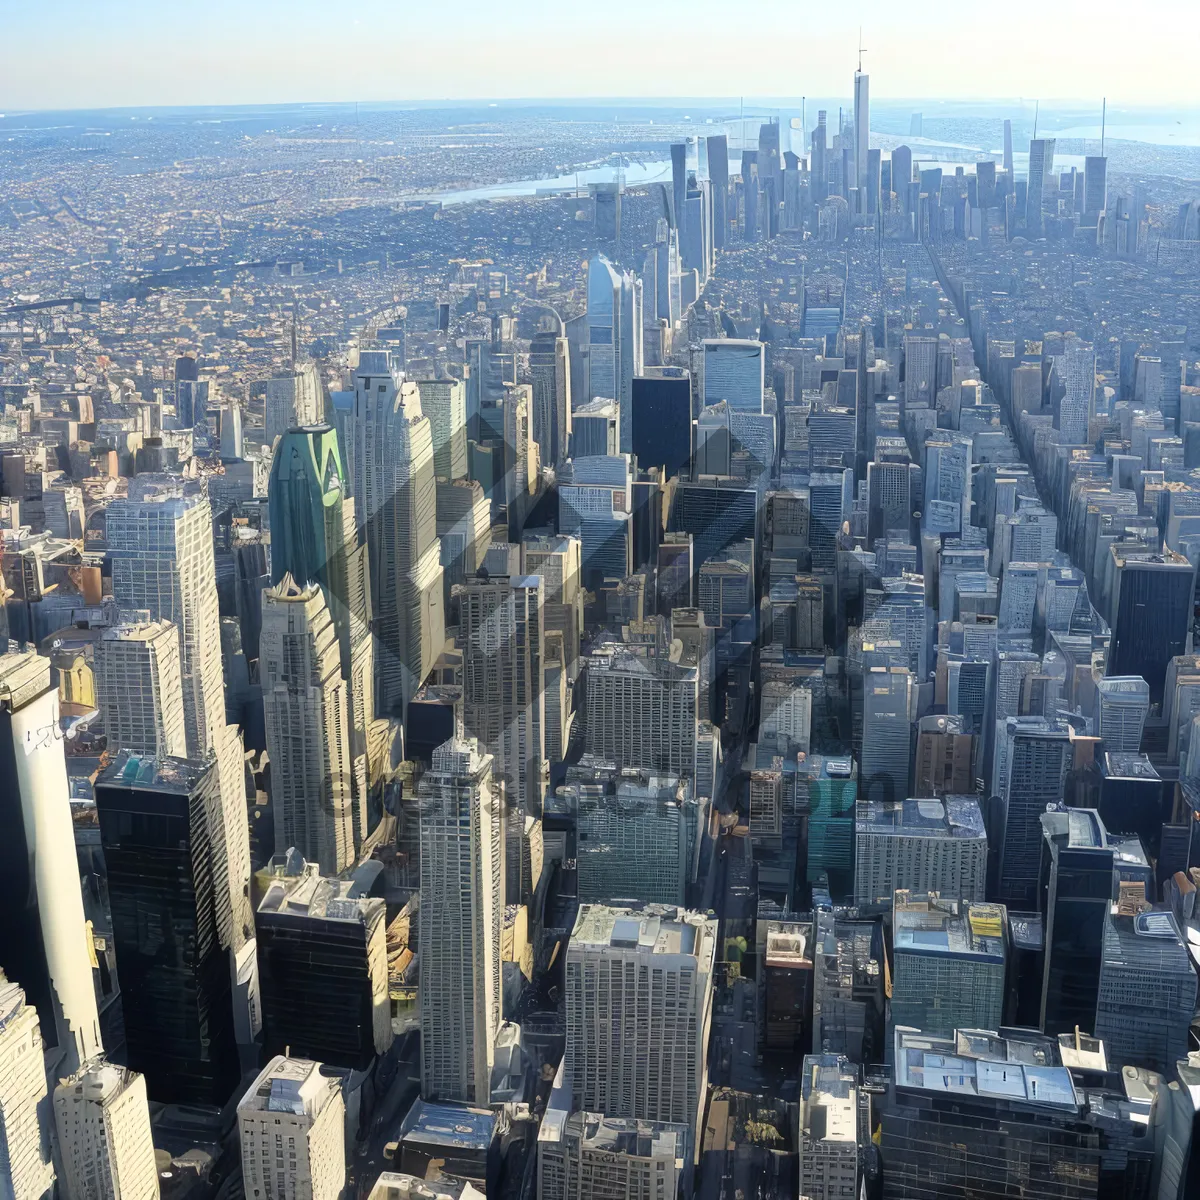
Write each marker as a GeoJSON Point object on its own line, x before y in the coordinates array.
{"type": "Point", "coordinates": [156, 823]}
{"type": "Point", "coordinates": [444, 402]}
{"type": "Point", "coordinates": [829, 1151]}
{"type": "Point", "coordinates": [293, 400]}
{"type": "Point", "coordinates": [1151, 614]}
{"type": "Point", "coordinates": [949, 960]}
{"type": "Point", "coordinates": [832, 797]}
{"type": "Point", "coordinates": [522, 467]}
{"type": "Point", "coordinates": [718, 174]}
{"type": "Point", "coordinates": [1033, 759]}
{"type": "Point", "coordinates": [1147, 994]}
{"type": "Point", "coordinates": [662, 412]}
{"type": "Point", "coordinates": [139, 689]}
{"type": "Point", "coordinates": [323, 968]}
{"type": "Point", "coordinates": [306, 711]}
{"type": "Point", "coordinates": [1077, 888]}
{"type": "Point", "coordinates": [614, 341]}
{"type": "Point", "coordinates": [396, 1185]}
{"type": "Point", "coordinates": [291, 1129]}
{"type": "Point", "coordinates": [1041, 172]}
{"type": "Point", "coordinates": [595, 503]}
{"type": "Point", "coordinates": [640, 842]}
{"type": "Point", "coordinates": [558, 560]}
{"type": "Point", "coordinates": [595, 429]}
{"type": "Point", "coordinates": [639, 988]}
{"type": "Point", "coordinates": [1076, 367]}
{"type": "Point", "coordinates": [673, 579]}
{"type": "Point", "coordinates": [1095, 188]}
{"type": "Point", "coordinates": [591, 1154]}
{"type": "Point", "coordinates": [734, 373]}
{"type": "Point", "coordinates": [921, 845]}
{"type": "Point", "coordinates": [26, 1170]}
{"type": "Point", "coordinates": [848, 988]}
{"type": "Point", "coordinates": [103, 1124]}
{"type": "Point", "coordinates": [462, 901]}
{"type": "Point", "coordinates": [45, 943]}
{"type": "Point", "coordinates": [1006, 1099]}
{"type": "Point", "coordinates": [550, 370]}
{"type": "Point", "coordinates": [945, 763]}
{"type": "Point", "coordinates": [464, 526]}
{"type": "Point", "coordinates": [1123, 703]}
{"type": "Point", "coordinates": [642, 710]}
{"type": "Point", "coordinates": [501, 633]}
{"type": "Point", "coordinates": [889, 702]}
{"type": "Point", "coordinates": [395, 500]}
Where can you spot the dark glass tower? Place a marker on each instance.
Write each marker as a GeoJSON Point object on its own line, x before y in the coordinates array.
{"type": "Point", "coordinates": [176, 990]}
{"type": "Point", "coordinates": [662, 419]}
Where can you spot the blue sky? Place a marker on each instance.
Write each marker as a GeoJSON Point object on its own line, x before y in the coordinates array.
{"type": "Point", "coordinates": [70, 53]}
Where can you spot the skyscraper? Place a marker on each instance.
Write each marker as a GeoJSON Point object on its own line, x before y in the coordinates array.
{"type": "Point", "coordinates": [1077, 367]}
{"type": "Point", "coordinates": [718, 173]}
{"type": "Point", "coordinates": [862, 126]}
{"type": "Point", "coordinates": [44, 940]}
{"type": "Point", "coordinates": [395, 501]}
{"type": "Point", "coordinates": [306, 710]}
{"type": "Point", "coordinates": [734, 372]}
{"type": "Point", "coordinates": [322, 954]}
{"type": "Point", "coordinates": [1151, 614]}
{"type": "Point", "coordinates": [501, 626]}
{"type": "Point", "coordinates": [614, 340]}
{"type": "Point", "coordinates": [550, 370]}
{"type": "Point", "coordinates": [444, 402]}
{"type": "Point", "coordinates": [639, 986]}
{"type": "Point", "coordinates": [889, 702]}
{"type": "Point", "coordinates": [662, 425]}
{"type": "Point", "coordinates": [103, 1124]}
{"type": "Point", "coordinates": [291, 1128]}
{"type": "Point", "coordinates": [1095, 188]}
{"type": "Point", "coordinates": [293, 400]}
{"type": "Point", "coordinates": [164, 891]}
{"type": "Point", "coordinates": [26, 1171]}
{"type": "Point", "coordinates": [1041, 169]}
{"type": "Point", "coordinates": [139, 688]}
{"type": "Point", "coordinates": [1123, 703]}
{"type": "Point", "coordinates": [462, 901]}
{"type": "Point", "coordinates": [829, 1153]}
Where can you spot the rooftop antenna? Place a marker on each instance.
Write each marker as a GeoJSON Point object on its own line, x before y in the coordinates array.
{"type": "Point", "coordinates": [1103, 119]}
{"type": "Point", "coordinates": [861, 49]}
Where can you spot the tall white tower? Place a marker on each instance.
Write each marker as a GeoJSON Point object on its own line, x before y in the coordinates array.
{"type": "Point", "coordinates": [462, 906]}
{"type": "Point", "coordinates": [306, 708]}
{"type": "Point", "coordinates": [395, 496]}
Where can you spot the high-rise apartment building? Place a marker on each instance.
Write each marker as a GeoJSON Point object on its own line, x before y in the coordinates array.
{"type": "Point", "coordinates": [44, 940]}
{"type": "Point", "coordinates": [323, 967]}
{"type": "Point", "coordinates": [639, 986]}
{"type": "Point", "coordinates": [924, 845]}
{"type": "Point", "coordinates": [501, 631]}
{"type": "Point", "coordinates": [291, 1128]}
{"type": "Point", "coordinates": [164, 886]}
{"type": "Point", "coordinates": [103, 1123]}
{"type": "Point", "coordinates": [139, 688]}
{"type": "Point", "coordinates": [444, 402]}
{"type": "Point", "coordinates": [642, 710]}
{"type": "Point", "coordinates": [26, 1170]}
{"type": "Point", "coordinates": [395, 498]}
{"type": "Point", "coordinates": [462, 901]}
{"type": "Point", "coordinates": [591, 1154]}
{"type": "Point", "coordinates": [829, 1152]}
{"type": "Point", "coordinates": [306, 711]}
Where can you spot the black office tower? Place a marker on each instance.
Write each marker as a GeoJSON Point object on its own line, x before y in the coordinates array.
{"type": "Point", "coordinates": [662, 419]}
{"type": "Point", "coordinates": [322, 968]}
{"type": "Point", "coordinates": [1077, 889]}
{"type": "Point", "coordinates": [176, 991]}
{"type": "Point", "coordinates": [1151, 614]}
{"type": "Point", "coordinates": [678, 182]}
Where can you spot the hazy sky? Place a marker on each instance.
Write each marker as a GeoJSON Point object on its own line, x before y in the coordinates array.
{"type": "Point", "coordinates": [99, 53]}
